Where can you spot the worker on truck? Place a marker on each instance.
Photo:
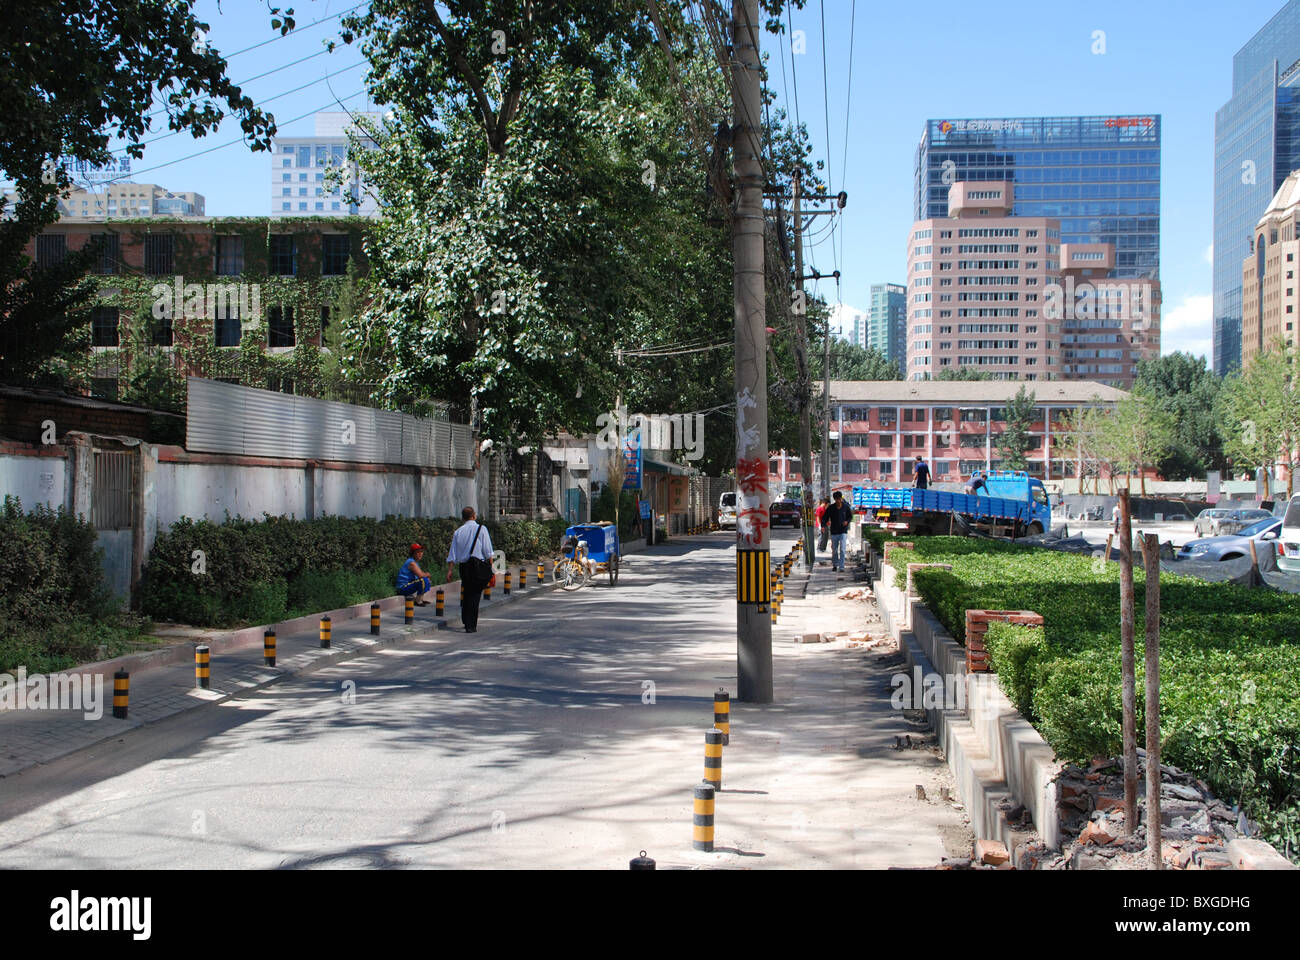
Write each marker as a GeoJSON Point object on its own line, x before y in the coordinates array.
{"type": "Point", "coordinates": [977, 484]}
{"type": "Point", "coordinates": [921, 474]}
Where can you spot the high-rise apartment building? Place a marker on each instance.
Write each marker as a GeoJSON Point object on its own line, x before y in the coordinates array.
{"type": "Point", "coordinates": [1270, 307]}
{"type": "Point", "coordinates": [301, 167]}
{"type": "Point", "coordinates": [1256, 146]}
{"type": "Point", "coordinates": [123, 201]}
{"type": "Point", "coordinates": [886, 326]}
{"type": "Point", "coordinates": [1003, 294]}
{"type": "Point", "coordinates": [1098, 176]}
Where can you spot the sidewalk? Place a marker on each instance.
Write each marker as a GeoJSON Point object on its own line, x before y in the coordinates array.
{"type": "Point", "coordinates": [162, 681]}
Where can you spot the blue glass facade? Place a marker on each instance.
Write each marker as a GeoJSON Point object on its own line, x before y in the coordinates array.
{"type": "Point", "coordinates": [886, 329]}
{"type": "Point", "coordinates": [1099, 175]}
{"type": "Point", "coordinates": [1256, 145]}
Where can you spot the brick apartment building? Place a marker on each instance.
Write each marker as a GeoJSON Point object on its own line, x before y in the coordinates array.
{"type": "Point", "coordinates": [200, 286]}
{"type": "Point", "coordinates": [884, 425]}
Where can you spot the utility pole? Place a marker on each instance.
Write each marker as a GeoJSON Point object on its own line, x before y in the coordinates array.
{"type": "Point", "coordinates": [826, 398]}
{"type": "Point", "coordinates": [804, 385]}
{"type": "Point", "coordinates": [753, 547]}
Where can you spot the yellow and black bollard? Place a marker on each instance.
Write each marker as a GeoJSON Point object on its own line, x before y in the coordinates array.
{"type": "Point", "coordinates": [487, 592]}
{"type": "Point", "coordinates": [702, 824]}
{"type": "Point", "coordinates": [439, 603]}
{"type": "Point", "coordinates": [462, 593]}
{"type": "Point", "coordinates": [410, 610]}
{"type": "Point", "coordinates": [326, 632]}
{"type": "Point", "coordinates": [268, 647]}
{"type": "Point", "coordinates": [202, 667]}
{"type": "Point", "coordinates": [722, 714]}
{"type": "Point", "coordinates": [713, 757]}
{"type": "Point", "coordinates": [541, 574]}
{"type": "Point", "coordinates": [523, 577]}
{"type": "Point", "coordinates": [121, 693]}
{"type": "Point", "coordinates": [374, 619]}
{"type": "Point", "coordinates": [507, 586]}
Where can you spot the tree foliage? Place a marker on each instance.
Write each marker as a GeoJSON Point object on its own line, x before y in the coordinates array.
{"type": "Point", "coordinates": [1259, 408]}
{"type": "Point", "coordinates": [963, 373]}
{"type": "Point", "coordinates": [849, 361]}
{"type": "Point", "coordinates": [1184, 387]}
{"type": "Point", "coordinates": [1015, 442]}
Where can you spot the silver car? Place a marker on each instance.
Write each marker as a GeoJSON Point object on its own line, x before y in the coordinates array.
{"type": "Point", "coordinates": [1238, 520]}
{"type": "Point", "coordinates": [1206, 521]}
{"type": "Point", "coordinates": [727, 510]}
{"type": "Point", "coordinates": [1234, 546]}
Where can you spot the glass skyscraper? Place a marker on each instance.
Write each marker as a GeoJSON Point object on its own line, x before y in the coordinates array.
{"type": "Point", "coordinates": [887, 323]}
{"type": "Point", "coordinates": [1100, 176]}
{"type": "Point", "coordinates": [1256, 146]}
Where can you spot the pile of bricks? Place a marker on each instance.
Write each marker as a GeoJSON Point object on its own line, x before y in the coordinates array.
{"type": "Point", "coordinates": [977, 624]}
{"type": "Point", "coordinates": [894, 544]}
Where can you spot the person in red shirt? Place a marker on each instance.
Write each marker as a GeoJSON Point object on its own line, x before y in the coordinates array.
{"type": "Point", "coordinates": [820, 513]}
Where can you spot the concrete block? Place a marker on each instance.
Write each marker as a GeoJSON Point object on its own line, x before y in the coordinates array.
{"type": "Point", "coordinates": [1246, 854]}
{"type": "Point", "coordinates": [991, 851]}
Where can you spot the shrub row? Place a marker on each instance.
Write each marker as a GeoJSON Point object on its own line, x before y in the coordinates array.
{"type": "Point", "coordinates": [1229, 662]}
{"type": "Point", "coordinates": [261, 571]}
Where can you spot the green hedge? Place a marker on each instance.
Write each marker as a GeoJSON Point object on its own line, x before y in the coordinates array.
{"type": "Point", "coordinates": [56, 610]}
{"type": "Point", "coordinates": [1229, 661]}
{"type": "Point", "coordinates": [261, 571]}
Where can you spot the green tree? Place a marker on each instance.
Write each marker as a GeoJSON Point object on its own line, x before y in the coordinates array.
{"type": "Point", "coordinates": [852, 362]}
{"type": "Point", "coordinates": [1259, 413]}
{"type": "Point", "coordinates": [1135, 435]}
{"type": "Point", "coordinates": [1185, 387]}
{"type": "Point", "coordinates": [1015, 441]}
{"type": "Point", "coordinates": [1077, 438]}
{"type": "Point", "coordinates": [77, 73]}
{"type": "Point", "coordinates": [963, 373]}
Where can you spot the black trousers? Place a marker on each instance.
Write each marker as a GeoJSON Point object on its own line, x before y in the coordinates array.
{"type": "Point", "coordinates": [473, 597]}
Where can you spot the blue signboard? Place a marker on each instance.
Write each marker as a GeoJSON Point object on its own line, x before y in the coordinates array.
{"type": "Point", "coordinates": [645, 509]}
{"type": "Point", "coordinates": [632, 458]}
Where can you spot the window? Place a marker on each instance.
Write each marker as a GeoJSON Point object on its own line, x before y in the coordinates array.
{"type": "Point", "coordinates": [225, 327]}
{"type": "Point", "coordinates": [324, 321]}
{"type": "Point", "coordinates": [886, 468]}
{"type": "Point", "coordinates": [886, 441]}
{"type": "Point", "coordinates": [159, 257]}
{"type": "Point", "coordinates": [888, 416]}
{"type": "Point", "coordinates": [161, 330]}
{"type": "Point", "coordinates": [940, 440]}
{"type": "Point", "coordinates": [335, 249]}
{"type": "Point", "coordinates": [942, 413]}
{"type": "Point", "coordinates": [230, 256]}
{"type": "Point", "coordinates": [302, 178]}
{"type": "Point", "coordinates": [103, 327]}
{"type": "Point", "coordinates": [287, 162]}
{"type": "Point", "coordinates": [854, 413]}
{"type": "Point", "coordinates": [287, 178]}
{"type": "Point", "coordinates": [302, 191]}
{"type": "Point", "coordinates": [972, 416]}
{"type": "Point", "coordinates": [284, 260]}
{"type": "Point", "coordinates": [304, 156]}
{"type": "Point", "coordinates": [286, 206]}
{"type": "Point", "coordinates": [110, 253]}
{"type": "Point", "coordinates": [51, 248]}
{"type": "Point", "coordinates": [280, 327]}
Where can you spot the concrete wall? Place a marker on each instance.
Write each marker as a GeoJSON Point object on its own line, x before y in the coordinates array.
{"type": "Point", "coordinates": [35, 479]}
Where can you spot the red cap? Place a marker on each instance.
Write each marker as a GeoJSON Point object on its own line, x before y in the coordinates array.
{"type": "Point", "coordinates": [416, 546]}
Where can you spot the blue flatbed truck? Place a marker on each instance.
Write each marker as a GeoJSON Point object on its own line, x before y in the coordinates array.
{"type": "Point", "coordinates": [1014, 504]}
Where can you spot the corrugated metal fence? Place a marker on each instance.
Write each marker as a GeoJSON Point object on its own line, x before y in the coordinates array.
{"type": "Point", "coordinates": [230, 418]}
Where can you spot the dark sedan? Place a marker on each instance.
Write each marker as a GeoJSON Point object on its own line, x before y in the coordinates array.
{"type": "Point", "coordinates": [786, 511]}
{"type": "Point", "coordinates": [1264, 532]}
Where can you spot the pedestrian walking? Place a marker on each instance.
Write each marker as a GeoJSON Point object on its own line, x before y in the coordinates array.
{"type": "Point", "coordinates": [1114, 515]}
{"type": "Point", "coordinates": [413, 581]}
{"type": "Point", "coordinates": [921, 474]}
{"type": "Point", "coordinates": [838, 518]}
{"type": "Point", "coordinates": [471, 550]}
{"type": "Point", "coordinates": [821, 523]}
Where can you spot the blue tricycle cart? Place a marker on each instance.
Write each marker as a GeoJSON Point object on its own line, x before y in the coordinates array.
{"type": "Point", "coordinates": [599, 542]}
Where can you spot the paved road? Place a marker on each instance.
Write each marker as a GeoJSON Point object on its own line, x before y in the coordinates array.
{"type": "Point", "coordinates": [527, 744]}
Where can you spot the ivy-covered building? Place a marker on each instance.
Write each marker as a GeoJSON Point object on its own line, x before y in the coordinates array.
{"type": "Point", "coordinates": [249, 300]}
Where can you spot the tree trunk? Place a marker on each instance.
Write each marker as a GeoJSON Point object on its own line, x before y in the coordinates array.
{"type": "Point", "coordinates": [1127, 664]}
{"type": "Point", "coordinates": [1151, 560]}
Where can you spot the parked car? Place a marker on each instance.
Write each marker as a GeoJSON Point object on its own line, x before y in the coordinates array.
{"type": "Point", "coordinates": [727, 510]}
{"type": "Point", "coordinates": [1288, 558]}
{"type": "Point", "coordinates": [1238, 520]}
{"type": "Point", "coordinates": [786, 511]}
{"type": "Point", "coordinates": [1233, 546]}
{"type": "Point", "coordinates": [1205, 520]}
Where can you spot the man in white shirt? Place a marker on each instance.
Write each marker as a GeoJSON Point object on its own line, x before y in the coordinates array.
{"type": "Point", "coordinates": [471, 541]}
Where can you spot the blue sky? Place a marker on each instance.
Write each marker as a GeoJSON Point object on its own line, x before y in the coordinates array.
{"type": "Point", "coordinates": [910, 62]}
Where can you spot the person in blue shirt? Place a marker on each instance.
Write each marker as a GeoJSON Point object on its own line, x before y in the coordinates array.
{"type": "Point", "coordinates": [921, 474]}
{"type": "Point", "coordinates": [412, 580]}
{"type": "Point", "coordinates": [977, 484]}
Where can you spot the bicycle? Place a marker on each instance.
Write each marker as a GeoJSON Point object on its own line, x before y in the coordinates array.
{"type": "Point", "coordinates": [572, 570]}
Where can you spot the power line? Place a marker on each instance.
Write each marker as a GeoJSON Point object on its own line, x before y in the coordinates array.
{"type": "Point", "coordinates": [229, 143]}
{"type": "Point", "coordinates": [848, 100]}
{"type": "Point", "coordinates": [292, 63]}
{"type": "Point", "coordinates": [296, 31]}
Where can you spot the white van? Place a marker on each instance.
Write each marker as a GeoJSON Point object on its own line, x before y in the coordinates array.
{"type": "Point", "coordinates": [1288, 548]}
{"type": "Point", "coordinates": [727, 510]}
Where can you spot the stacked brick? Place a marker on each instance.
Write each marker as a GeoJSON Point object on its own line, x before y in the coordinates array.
{"type": "Point", "coordinates": [977, 624]}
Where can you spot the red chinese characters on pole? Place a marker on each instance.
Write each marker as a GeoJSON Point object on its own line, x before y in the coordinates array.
{"type": "Point", "coordinates": [751, 475]}
{"type": "Point", "coordinates": [750, 524]}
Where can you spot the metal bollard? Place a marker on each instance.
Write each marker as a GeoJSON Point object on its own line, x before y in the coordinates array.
{"type": "Point", "coordinates": [374, 619]}
{"type": "Point", "coordinates": [121, 693]}
{"type": "Point", "coordinates": [541, 574]}
{"type": "Point", "coordinates": [722, 714]}
{"type": "Point", "coordinates": [202, 667]}
{"type": "Point", "coordinates": [702, 823]}
{"type": "Point", "coordinates": [410, 610]}
{"type": "Point", "coordinates": [713, 757]}
{"type": "Point", "coordinates": [439, 603]}
{"type": "Point", "coordinates": [487, 593]}
{"type": "Point", "coordinates": [523, 577]}
{"type": "Point", "coordinates": [641, 862]}
{"type": "Point", "coordinates": [326, 632]}
{"type": "Point", "coordinates": [507, 586]}
{"type": "Point", "coordinates": [268, 647]}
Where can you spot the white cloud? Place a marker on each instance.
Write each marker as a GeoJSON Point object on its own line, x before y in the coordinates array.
{"type": "Point", "coordinates": [1188, 326]}
{"type": "Point", "coordinates": [842, 315]}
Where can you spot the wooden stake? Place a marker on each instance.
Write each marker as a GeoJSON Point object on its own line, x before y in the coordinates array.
{"type": "Point", "coordinates": [1127, 663]}
{"type": "Point", "coordinates": [1109, 537]}
{"type": "Point", "coordinates": [1151, 560]}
